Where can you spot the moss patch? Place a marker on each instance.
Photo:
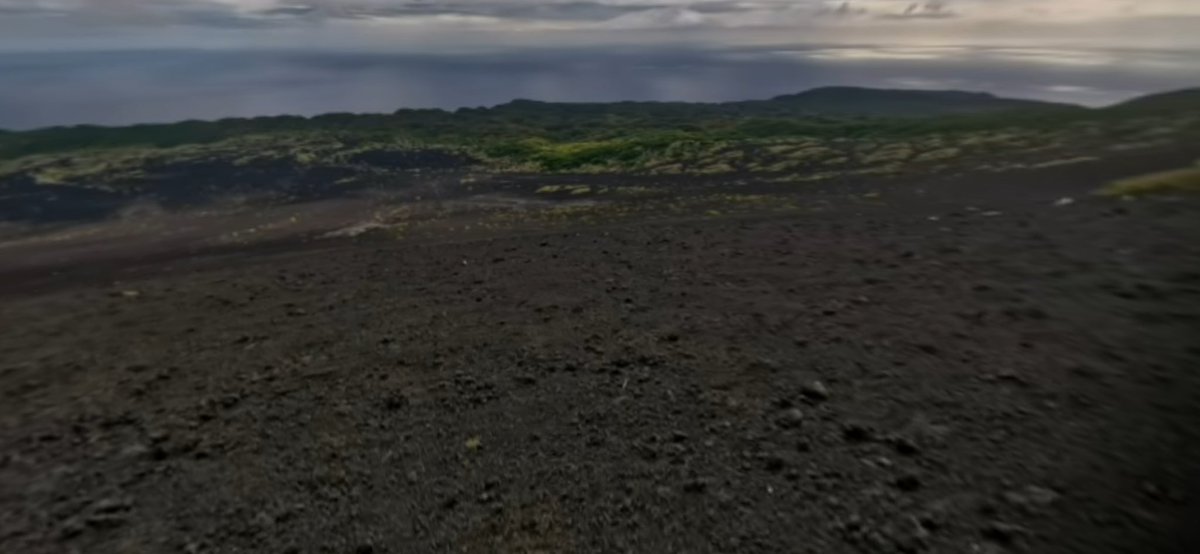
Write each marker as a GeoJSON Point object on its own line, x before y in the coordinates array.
{"type": "Point", "coordinates": [1166, 182]}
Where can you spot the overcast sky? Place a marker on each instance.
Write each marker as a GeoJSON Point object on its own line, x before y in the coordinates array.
{"type": "Point", "coordinates": [121, 61]}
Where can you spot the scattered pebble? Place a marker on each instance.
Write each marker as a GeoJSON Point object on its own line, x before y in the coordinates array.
{"type": "Point", "coordinates": [905, 446]}
{"type": "Point", "coordinates": [815, 391]}
{"type": "Point", "coordinates": [1003, 533]}
{"type": "Point", "coordinates": [1031, 497]}
{"type": "Point", "coordinates": [71, 528]}
{"type": "Point", "coordinates": [791, 417]}
{"type": "Point", "coordinates": [775, 463]}
{"type": "Point", "coordinates": [525, 379]}
{"type": "Point", "coordinates": [111, 505]}
{"type": "Point", "coordinates": [696, 486]}
{"type": "Point", "coordinates": [135, 451]}
{"type": "Point", "coordinates": [857, 432]}
{"type": "Point", "coordinates": [908, 483]}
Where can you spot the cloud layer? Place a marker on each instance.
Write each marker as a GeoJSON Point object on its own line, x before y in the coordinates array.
{"type": "Point", "coordinates": [152, 59]}
{"type": "Point", "coordinates": [502, 16]}
{"type": "Point", "coordinates": [433, 26]}
{"type": "Point", "coordinates": [142, 86]}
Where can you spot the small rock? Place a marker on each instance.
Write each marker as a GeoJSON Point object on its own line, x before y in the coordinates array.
{"type": "Point", "coordinates": [696, 486]}
{"type": "Point", "coordinates": [905, 446]}
{"type": "Point", "coordinates": [908, 483]}
{"type": "Point", "coordinates": [395, 401]}
{"type": "Point", "coordinates": [857, 432]}
{"type": "Point", "coordinates": [879, 461]}
{"type": "Point", "coordinates": [71, 528]}
{"type": "Point", "coordinates": [775, 463]}
{"type": "Point", "coordinates": [112, 505]}
{"type": "Point", "coordinates": [1003, 533]}
{"type": "Point", "coordinates": [107, 521]}
{"type": "Point", "coordinates": [1064, 201]}
{"type": "Point", "coordinates": [525, 379]}
{"type": "Point", "coordinates": [815, 391]}
{"type": "Point", "coordinates": [1032, 497]}
{"type": "Point", "coordinates": [766, 364]}
{"type": "Point", "coordinates": [791, 417]}
{"type": "Point", "coordinates": [1010, 376]}
{"type": "Point", "coordinates": [263, 520]}
{"type": "Point", "coordinates": [135, 451]}
{"type": "Point", "coordinates": [987, 548]}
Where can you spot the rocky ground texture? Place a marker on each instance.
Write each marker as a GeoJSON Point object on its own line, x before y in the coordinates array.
{"type": "Point", "coordinates": [949, 369]}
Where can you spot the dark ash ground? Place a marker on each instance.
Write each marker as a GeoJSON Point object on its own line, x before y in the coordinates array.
{"type": "Point", "coordinates": [1006, 376]}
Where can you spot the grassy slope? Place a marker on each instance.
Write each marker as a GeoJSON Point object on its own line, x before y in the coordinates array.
{"type": "Point", "coordinates": [811, 112]}
{"type": "Point", "coordinates": [817, 133]}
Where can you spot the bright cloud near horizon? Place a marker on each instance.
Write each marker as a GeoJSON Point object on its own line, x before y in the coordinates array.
{"type": "Point", "coordinates": [120, 61]}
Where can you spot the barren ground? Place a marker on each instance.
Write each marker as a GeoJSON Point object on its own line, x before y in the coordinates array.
{"type": "Point", "coordinates": [957, 366]}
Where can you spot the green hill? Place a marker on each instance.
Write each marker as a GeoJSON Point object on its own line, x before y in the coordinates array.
{"type": "Point", "coordinates": [903, 103]}
{"type": "Point", "coordinates": [818, 133]}
{"type": "Point", "coordinates": [822, 111]}
{"type": "Point", "coordinates": [1186, 99]}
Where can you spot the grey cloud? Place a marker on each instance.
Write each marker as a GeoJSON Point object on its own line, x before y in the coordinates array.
{"type": "Point", "coordinates": [128, 87]}
{"type": "Point", "coordinates": [289, 10]}
{"type": "Point", "coordinates": [933, 9]}
{"type": "Point", "coordinates": [845, 9]}
{"type": "Point", "coordinates": [202, 13]}
{"type": "Point", "coordinates": [429, 26]}
{"type": "Point", "coordinates": [583, 11]}
{"type": "Point", "coordinates": [227, 13]}
{"type": "Point", "coordinates": [30, 8]}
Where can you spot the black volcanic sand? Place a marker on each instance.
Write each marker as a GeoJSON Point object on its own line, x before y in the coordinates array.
{"type": "Point", "coordinates": [1010, 376]}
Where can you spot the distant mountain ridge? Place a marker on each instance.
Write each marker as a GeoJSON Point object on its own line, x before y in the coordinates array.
{"type": "Point", "coordinates": [1177, 99]}
{"type": "Point", "coordinates": [833, 101]}
{"type": "Point", "coordinates": [829, 111]}
{"type": "Point", "coordinates": [825, 101]}
{"type": "Point", "coordinates": [811, 137]}
{"type": "Point", "coordinates": [906, 102]}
